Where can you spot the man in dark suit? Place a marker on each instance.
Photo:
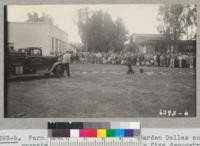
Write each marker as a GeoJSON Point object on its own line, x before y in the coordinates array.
{"type": "Point", "coordinates": [129, 63]}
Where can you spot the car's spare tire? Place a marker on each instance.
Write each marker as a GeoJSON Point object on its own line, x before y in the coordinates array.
{"type": "Point", "coordinates": [58, 71]}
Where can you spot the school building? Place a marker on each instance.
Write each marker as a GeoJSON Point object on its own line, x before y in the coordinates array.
{"type": "Point", "coordinates": [51, 39]}
{"type": "Point", "coordinates": [152, 43]}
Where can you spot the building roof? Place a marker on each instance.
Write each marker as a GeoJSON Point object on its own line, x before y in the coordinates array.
{"type": "Point", "coordinates": [147, 37]}
{"type": "Point", "coordinates": [147, 34]}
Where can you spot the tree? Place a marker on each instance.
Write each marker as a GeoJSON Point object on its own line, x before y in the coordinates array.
{"type": "Point", "coordinates": [120, 36]}
{"type": "Point", "coordinates": [170, 17]}
{"type": "Point", "coordinates": [99, 33]}
{"type": "Point", "coordinates": [109, 32]}
{"type": "Point", "coordinates": [175, 20]}
{"type": "Point", "coordinates": [83, 25]}
{"type": "Point", "coordinates": [34, 17]}
{"type": "Point", "coordinates": [190, 21]}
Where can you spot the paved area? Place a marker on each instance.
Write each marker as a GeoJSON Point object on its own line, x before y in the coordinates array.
{"type": "Point", "coordinates": [104, 91]}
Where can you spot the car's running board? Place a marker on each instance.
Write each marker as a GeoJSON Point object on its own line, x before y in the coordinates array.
{"type": "Point", "coordinates": [26, 77]}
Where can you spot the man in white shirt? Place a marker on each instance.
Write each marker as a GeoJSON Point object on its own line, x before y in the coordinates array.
{"type": "Point", "coordinates": [172, 59]}
{"type": "Point", "coordinates": [180, 58]}
{"type": "Point", "coordinates": [66, 61]}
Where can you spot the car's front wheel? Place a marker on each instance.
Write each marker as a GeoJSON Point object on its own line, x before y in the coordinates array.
{"type": "Point", "coordinates": [58, 71]}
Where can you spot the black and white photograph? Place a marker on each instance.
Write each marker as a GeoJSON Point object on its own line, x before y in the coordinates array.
{"type": "Point", "coordinates": [100, 61]}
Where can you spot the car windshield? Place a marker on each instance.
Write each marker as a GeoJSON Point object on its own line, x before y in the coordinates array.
{"type": "Point", "coordinates": [36, 52]}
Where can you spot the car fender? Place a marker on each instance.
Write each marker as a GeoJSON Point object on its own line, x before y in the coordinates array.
{"type": "Point", "coordinates": [54, 66]}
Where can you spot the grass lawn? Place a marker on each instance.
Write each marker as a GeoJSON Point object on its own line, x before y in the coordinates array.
{"type": "Point", "coordinates": [104, 91]}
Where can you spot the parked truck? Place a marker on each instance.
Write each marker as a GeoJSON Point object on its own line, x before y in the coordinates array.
{"type": "Point", "coordinates": [30, 61]}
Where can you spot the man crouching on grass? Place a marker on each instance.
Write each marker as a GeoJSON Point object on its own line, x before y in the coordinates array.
{"type": "Point", "coordinates": [66, 61]}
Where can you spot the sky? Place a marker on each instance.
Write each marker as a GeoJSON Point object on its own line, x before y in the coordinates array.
{"type": "Point", "coordinates": [140, 18]}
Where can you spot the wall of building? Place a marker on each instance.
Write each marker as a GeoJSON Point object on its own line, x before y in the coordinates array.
{"type": "Point", "coordinates": [58, 40]}
{"type": "Point", "coordinates": [146, 43]}
{"type": "Point", "coordinates": [22, 35]}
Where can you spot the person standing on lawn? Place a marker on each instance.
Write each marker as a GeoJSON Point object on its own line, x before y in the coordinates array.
{"type": "Point", "coordinates": [66, 61]}
{"type": "Point", "coordinates": [180, 58]}
{"type": "Point", "coordinates": [129, 63]}
{"type": "Point", "coordinates": [172, 59]}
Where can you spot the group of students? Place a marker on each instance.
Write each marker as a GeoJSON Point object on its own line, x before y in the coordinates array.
{"type": "Point", "coordinates": [172, 60]}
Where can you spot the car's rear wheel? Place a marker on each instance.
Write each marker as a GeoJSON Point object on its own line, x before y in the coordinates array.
{"type": "Point", "coordinates": [58, 71]}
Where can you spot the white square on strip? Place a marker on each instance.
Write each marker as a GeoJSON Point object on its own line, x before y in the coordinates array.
{"type": "Point", "coordinates": [134, 125]}
{"type": "Point", "coordinates": [74, 133]}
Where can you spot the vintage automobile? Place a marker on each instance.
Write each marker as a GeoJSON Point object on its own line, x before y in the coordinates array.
{"type": "Point", "coordinates": [30, 61]}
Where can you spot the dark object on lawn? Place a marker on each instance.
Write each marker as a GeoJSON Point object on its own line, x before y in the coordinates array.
{"type": "Point", "coordinates": [141, 70]}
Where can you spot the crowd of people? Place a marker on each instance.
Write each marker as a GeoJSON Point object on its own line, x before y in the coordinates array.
{"type": "Point", "coordinates": [172, 60]}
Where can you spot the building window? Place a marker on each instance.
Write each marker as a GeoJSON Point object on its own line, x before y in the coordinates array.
{"type": "Point", "coordinates": [53, 48]}
{"type": "Point", "coordinates": [62, 46]}
{"type": "Point", "coordinates": [56, 48]}
{"type": "Point", "coordinates": [59, 46]}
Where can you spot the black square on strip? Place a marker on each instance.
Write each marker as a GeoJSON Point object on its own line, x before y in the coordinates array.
{"type": "Point", "coordinates": [60, 133]}
{"type": "Point", "coordinates": [76, 125]}
{"type": "Point", "coordinates": [62, 125]}
{"type": "Point", "coordinates": [51, 125]}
